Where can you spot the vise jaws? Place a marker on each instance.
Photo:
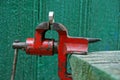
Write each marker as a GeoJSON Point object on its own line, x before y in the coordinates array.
{"type": "Point", "coordinates": [39, 45]}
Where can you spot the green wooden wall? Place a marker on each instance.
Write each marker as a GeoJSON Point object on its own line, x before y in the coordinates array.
{"type": "Point", "coordinates": [86, 18]}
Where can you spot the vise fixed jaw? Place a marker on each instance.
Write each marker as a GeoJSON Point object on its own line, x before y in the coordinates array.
{"type": "Point", "coordinates": [39, 45]}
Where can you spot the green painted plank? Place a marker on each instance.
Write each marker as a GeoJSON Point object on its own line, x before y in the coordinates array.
{"type": "Point", "coordinates": [88, 18]}
{"type": "Point", "coordinates": [6, 22]}
{"type": "Point", "coordinates": [103, 65]}
{"type": "Point", "coordinates": [17, 20]}
{"type": "Point", "coordinates": [104, 23]}
{"type": "Point", "coordinates": [27, 21]}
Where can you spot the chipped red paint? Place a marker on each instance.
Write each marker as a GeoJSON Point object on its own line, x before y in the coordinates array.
{"type": "Point", "coordinates": [39, 45]}
{"type": "Point", "coordinates": [66, 45]}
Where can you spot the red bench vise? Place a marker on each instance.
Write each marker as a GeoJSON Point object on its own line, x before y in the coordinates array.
{"type": "Point", "coordinates": [39, 45]}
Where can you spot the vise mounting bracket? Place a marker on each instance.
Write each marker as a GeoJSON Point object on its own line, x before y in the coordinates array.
{"type": "Point", "coordinates": [39, 45]}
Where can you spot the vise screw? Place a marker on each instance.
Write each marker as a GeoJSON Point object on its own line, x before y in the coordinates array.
{"type": "Point", "coordinates": [39, 45]}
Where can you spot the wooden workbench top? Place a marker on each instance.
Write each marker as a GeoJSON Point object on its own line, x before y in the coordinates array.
{"type": "Point", "coordinates": [104, 65]}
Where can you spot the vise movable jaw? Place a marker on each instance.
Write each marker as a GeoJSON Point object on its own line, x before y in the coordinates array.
{"type": "Point", "coordinates": [39, 45]}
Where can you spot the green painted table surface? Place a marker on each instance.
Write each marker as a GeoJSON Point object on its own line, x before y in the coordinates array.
{"type": "Point", "coordinates": [82, 18]}
{"type": "Point", "coordinates": [104, 65]}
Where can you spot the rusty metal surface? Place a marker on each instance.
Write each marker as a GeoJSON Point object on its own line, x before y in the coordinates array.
{"type": "Point", "coordinates": [14, 64]}
{"type": "Point", "coordinates": [92, 18]}
{"type": "Point", "coordinates": [41, 46]}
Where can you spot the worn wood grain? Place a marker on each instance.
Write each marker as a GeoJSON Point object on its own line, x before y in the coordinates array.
{"type": "Point", "coordinates": [82, 18]}
{"type": "Point", "coordinates": [104, 65]}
